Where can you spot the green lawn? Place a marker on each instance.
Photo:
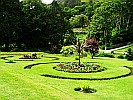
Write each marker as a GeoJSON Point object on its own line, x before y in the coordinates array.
{"type": "Point", "coordinates": [17, 83]}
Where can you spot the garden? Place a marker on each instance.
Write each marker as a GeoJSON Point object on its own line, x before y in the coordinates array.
{"type": "Point", "coordinates": [58, 51]}
{"type": "Point", "coordinates": [37, 79]}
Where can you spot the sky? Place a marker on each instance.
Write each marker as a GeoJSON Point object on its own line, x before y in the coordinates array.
{"type": "Point", "coordinates": [47, 1]}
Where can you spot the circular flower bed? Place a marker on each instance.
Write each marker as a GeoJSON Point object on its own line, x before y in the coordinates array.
{"type": "Point", "coordinates": [75, 68]}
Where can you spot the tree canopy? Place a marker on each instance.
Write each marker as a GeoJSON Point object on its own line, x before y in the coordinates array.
{"type": "Point", "coordinates": [31, 25]}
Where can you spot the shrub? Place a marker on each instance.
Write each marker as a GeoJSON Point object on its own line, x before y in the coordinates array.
{"type": "Point", "coordinates": [121, 56]}
{"type": "Point", "coordinates": [76, 58]}
{"type": "Point", "coordinates": [84, 54]}
{"type": "Point", "coordinates": [67, 50]}
{"type": "Point", "coordinates": [77, 89]}
{"type": "Point", "coordinates": [85, 88]}
{"type": "Point", "coordinates": [10, 61]}
{"type": "Point", "coordinates": [129, 55]}
{"type": "Point", "coordinates": [105, 55]}
{"type": "Point", "coordinates": [112, 52]}
{"type": "Point", "coordinates": [102, 47]}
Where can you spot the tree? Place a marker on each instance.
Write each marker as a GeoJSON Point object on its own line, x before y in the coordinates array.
{"type": "Point", "coordinates": [71, 3]}
{"type": "Point", "coordinates": [79, 47]}
{"type": "Point", "coordinates": [111, 20]}
{"type": "Point", "coordinates": [79, 21]}
{"type": "Point", "coordinates": [92, 46]}
{"type": "Point", "coordinates": [9, 22]}
{"type": "Point", "coordinates": [59, 26]}
{"type": "Point", "coordinates": [33, 24]}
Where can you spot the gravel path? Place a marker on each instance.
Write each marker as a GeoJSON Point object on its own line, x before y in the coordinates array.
{"type": "Point", "coordinates": [109, 51]}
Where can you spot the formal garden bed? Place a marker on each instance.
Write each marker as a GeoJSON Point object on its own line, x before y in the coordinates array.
{"type": "Point", "coordinates": [30, 56]}
{"type": "Point", "coordinates": [74, 67]}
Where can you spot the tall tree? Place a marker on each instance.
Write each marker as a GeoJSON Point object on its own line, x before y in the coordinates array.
{"type": "Point", "coordinates": [9, 22]}
{"type": "Point", "coordinates": [71, 3]}
{"type": "Point", "coordinates": [111, 20]}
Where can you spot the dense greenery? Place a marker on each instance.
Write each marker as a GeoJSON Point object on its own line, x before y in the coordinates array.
{"type": "Point", "coordinates": [129, 54]}
{"type": "Point", "coordinates": [30, 25]}
{"type": "Point", "coordinates": [112, 22]}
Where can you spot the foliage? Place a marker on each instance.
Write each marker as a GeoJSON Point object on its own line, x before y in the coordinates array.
{"type": "Point", "coordinates": [85, 88]}
{"type": "Point", "coordinates": [111, 22]}
{"type": "Point", "coordinates": [67, 50]}
{"type": "Point", "coordinates": [84, 54]}
{"type": "Point", "coordinates": [105, 55]}
{"type": "Point", "coordinates": [79, 21]}
{"type": "Point", "coordinates": [77, 89]}
{"type": "Point", "coordinates": [76, 58]}
{"type": "Point", "coordinates": [129, 55]}
{"type": "Point", "coordinates": [70, 3]}
{"type": "Point", "coordinates": [121, 56]}
{"type": "Point", "coordinates": [10, 61]}
{"type": "Point", "coordinates": [102, 47]}
{"type": "Point", "coordinates": [9, 22]}
{"type": "Point", "coordinates": [81, 35]}
{"type": "Point", "coordinates": [70, 38]}
{"type": "Point", "coordinates": [92, 46]}
{"type": "Point", "coordinates": [30, 25]}
{"type": "Point", "coordinates": [37, 26]}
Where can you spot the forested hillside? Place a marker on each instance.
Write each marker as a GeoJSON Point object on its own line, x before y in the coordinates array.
{"type": "Point", "coordinates": [31, 25]}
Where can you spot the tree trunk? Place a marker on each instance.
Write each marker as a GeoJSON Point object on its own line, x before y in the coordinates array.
{"type": "Point", "coordinates": [79, 58]}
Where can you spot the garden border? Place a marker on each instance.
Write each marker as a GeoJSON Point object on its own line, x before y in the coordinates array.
{"type": "Point", "coordinates": [62, 77]}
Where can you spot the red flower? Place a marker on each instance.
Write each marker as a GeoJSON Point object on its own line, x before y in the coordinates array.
{"type": "Point", "coordinates": [60, 65]}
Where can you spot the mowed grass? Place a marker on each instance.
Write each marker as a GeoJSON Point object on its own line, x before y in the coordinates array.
{"type": "Point", "coordinates": [17, 83]}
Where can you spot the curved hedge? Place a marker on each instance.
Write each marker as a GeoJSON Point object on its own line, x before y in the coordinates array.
{"type": "Point", "coordinates": [117, 77]}
{"type": "Point", "coordinates": [62, 77]}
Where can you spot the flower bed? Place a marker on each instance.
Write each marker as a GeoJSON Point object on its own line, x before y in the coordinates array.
{"type": "Point", "coordinates": [75, 68]}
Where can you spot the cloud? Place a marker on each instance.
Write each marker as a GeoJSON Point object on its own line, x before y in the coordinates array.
{"type": "Point", "coordinates": [47, 1]}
